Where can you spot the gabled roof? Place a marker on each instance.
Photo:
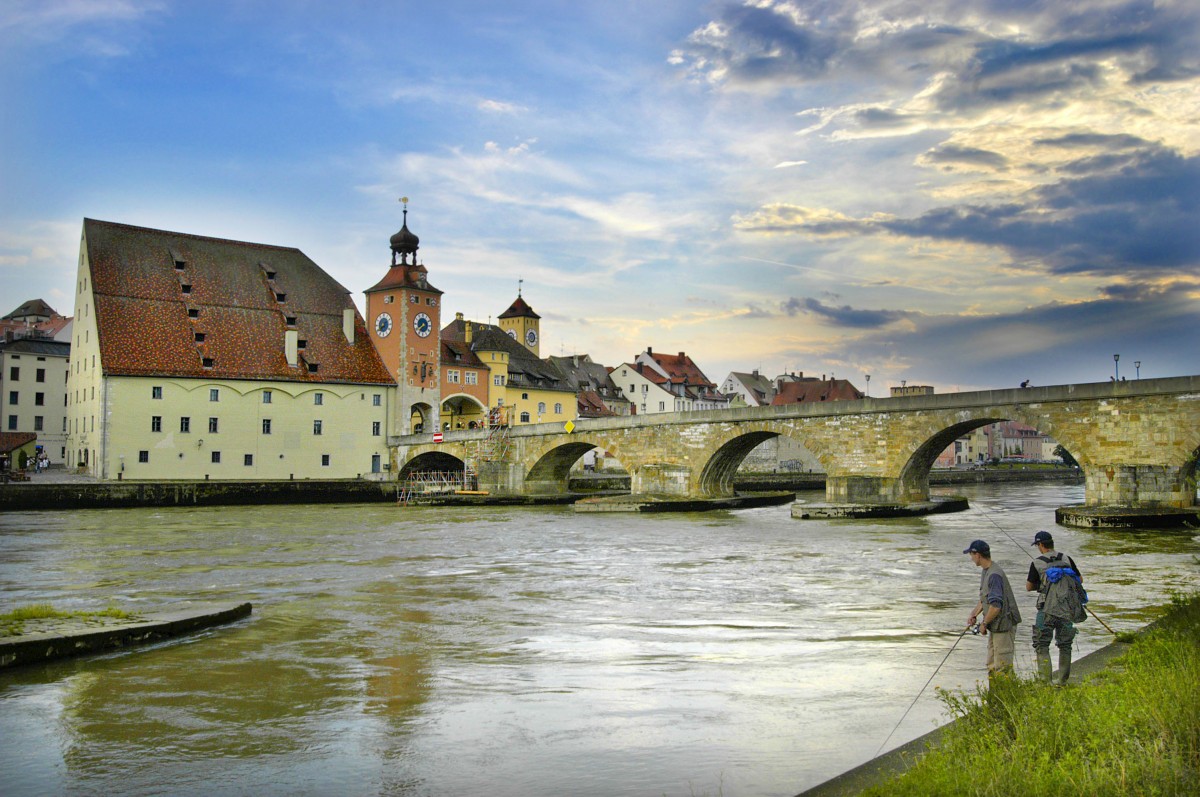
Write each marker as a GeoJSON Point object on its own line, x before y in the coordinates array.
{"type": "Point", "coordinates": [31, 307]}
{"type": "Point", "coordinates": [590, 404]}
{"type": "Point", "coordinates": [457, 354]}
{"type": "Point", "coordinates": [44, 347]}
{"type": "Point", "coordinates": [146, 281]}
{"type": "Point", "coordinates": [681, 369]}
{"type": "Point", "coordinates": [11, 441]}
{"type": "Point", "coordinates": [581, 372]}
{"type": "Point", "coordinates": [808, 392]}
{"type": "Point", "coordinates": [524, 367]}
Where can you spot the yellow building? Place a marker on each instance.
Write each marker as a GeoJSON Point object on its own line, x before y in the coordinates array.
{"type": "Point", "coordinates": [203, 358]}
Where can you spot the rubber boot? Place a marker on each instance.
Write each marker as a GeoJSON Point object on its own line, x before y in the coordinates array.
{"type": "Point", "coordinates": [1043, 666]}
{"type": "Point", "coordinates": [1064, 666]}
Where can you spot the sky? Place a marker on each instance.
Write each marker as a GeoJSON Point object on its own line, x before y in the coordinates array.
{"type": "Point", "coordinates": [966, 194]}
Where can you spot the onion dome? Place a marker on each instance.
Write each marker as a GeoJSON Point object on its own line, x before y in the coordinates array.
{"type": "Point", "coordinates": [404, 243]}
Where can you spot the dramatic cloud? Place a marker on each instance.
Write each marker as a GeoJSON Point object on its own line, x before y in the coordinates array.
{"type": "Point", "coordinates": [844, 316]}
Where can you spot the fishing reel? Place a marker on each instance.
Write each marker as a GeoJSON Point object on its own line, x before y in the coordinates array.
{"type": "Point", "coordinates": [974, 629]}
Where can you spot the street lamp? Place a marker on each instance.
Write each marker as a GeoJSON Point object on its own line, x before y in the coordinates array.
{"type": "Point", "coordinates": [1116, 368]}
{"type": "Point", "coordinates": [868, 385]}
{"type": "Point", "coordinates": [1137, 365]}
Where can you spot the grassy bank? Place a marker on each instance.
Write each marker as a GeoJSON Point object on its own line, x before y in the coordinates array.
{"type": "Point", "coordinates": [13, 623]}
{"type": "Point", "coordinates": [1132, 729]}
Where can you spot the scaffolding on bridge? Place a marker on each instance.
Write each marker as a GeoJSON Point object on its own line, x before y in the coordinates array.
{"type": "Point", "coordinates": [423, 486]}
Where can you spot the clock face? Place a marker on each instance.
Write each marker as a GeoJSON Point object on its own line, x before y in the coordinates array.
{"type": "Point", "coordinates": [512, 333]}
{"type": "Point", "coordinates": [531, 337]}
{"type": "Point", "coordinates": [383, 324]}
{"type": "Point", "coordinates": [423, 325]}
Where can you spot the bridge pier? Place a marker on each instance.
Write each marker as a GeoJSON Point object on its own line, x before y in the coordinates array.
{"type": "Point", "coordinates": [661, 479]}
{"type": "Point", "coordinates": [1134, 496]}
{"type": "Point", "coordinates": [501, 478]}
{"type": "Point", "coordinates": [875, 496]}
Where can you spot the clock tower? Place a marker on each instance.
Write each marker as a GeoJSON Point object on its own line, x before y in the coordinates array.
{"type": "Point", "coordinates": [522, 324]}
{"type": "Point", "coordinates": [404, 317]}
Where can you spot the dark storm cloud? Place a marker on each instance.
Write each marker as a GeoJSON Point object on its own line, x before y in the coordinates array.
{"type": "Point", "coordinates": [844, 316]}
{"type": "Point", "coordinates": [1073, 141]}
{"type": "Point", "coordinates": [951, 154]}
{"type": "Point", "coordinates": [1055, 343]}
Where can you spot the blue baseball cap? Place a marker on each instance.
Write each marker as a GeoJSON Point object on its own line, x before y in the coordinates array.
{"type": "Point", "coordinates": [1043, 537]}
{"type": "Point", "coordinates": [980, 547]}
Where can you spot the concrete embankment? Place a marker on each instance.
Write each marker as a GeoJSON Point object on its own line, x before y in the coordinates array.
{"type": "Point", "coordinates": [79, 640]}
{"type": "Point", "coordinates": [111, 495]}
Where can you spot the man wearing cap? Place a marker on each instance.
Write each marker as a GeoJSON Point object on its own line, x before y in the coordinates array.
{"type": "Point", "coordinates": [999, 607]}
{"type": "Point", "coordinates": [1047, 627]}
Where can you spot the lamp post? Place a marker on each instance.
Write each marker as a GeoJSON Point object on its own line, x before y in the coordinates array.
{"type": "Point", "coordinates": [1116, 368]}
{"type": "Point", "coordinates": [1137, 366]}
{"type": "Point", "coordinates": [868, 385]}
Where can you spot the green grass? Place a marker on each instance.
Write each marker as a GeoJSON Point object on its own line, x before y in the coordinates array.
{"type": "Point", "coordinates": [13, 623]}
{"type": "Point", "coordinates": [1133, 729]}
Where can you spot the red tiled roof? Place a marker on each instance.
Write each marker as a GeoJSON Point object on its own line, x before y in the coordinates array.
{"type": "Point", "coordinates": [682, 369]}
{"type": "Point", "coordinates": [11, 441]}
{"type": "Point", "coordinates": [142, 313]}
{"type": "Point", "coordinates": [806, 392]}
{"type": "Point", "coordinates": [591, 405]}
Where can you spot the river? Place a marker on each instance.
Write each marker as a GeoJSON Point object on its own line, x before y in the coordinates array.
{"type": "Point", "coordinates": [523, 651]}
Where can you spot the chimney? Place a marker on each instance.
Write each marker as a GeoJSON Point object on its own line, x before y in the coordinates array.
{"type": "Point", "coordinates": [348, 324]}
{"type": "Point", "coordinates": [649, 350]}
{"type": "Point", "coordinates": [468, 334]}
{"type": "Point", "coordinates": [291, 339]}
{"type": "Point", "coordinates": [458, 316]}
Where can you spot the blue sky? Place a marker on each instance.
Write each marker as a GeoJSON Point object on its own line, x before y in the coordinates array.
{"type": "Point", "coordinates": [962, 193]}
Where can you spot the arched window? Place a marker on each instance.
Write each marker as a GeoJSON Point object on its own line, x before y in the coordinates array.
{"type": "Point", "coordinates": [558, 409]}
{"type": "Point", "coordinates": [541, 408]}
{"type": "Point", "coordinates": [524, 417]}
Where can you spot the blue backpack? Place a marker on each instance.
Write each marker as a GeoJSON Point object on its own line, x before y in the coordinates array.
{"type": "Point", "coordinates": [1065, 595]}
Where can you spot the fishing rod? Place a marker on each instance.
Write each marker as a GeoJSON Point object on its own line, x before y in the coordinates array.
{"type": "Point", "coordinates": [974, 630]}
{"type": "Point", "coordinates": [1027, 553]}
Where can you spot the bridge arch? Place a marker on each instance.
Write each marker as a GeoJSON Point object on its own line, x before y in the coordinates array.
{"type": "Point", "coordinates": [431, 462]}
{"type": "Point", "coordinates": [728, 451]}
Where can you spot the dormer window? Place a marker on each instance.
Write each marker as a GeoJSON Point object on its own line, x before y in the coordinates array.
{"type": "Point", "coordinates": [199, 337]}
{"type": "Point", "coordinates": [178, 260]}
{"type": "Point", "coordinates": [312, 368]}
{"type": "Point", "coordinates": [281, 297]}
{"type": "Point", "coordinates": [193, 312]}
{"type": "Point", "coordinates": [187, 289]}
{"type": "Point", "coordinates": [208, 362]}
{"type": "Point", "coordinates": [291, 320]}
{"type": "Point", "coordinates": [302, 344]}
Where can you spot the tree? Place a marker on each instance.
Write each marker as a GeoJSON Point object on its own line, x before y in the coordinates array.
{"type": "Point", "coordinates": [1067, 459]}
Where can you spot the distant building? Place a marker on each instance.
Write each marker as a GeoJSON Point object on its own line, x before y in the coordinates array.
{"type": "Point", "coordinates": [33, 392]}
{"type": "Point", "coordinates": [35, 319]}
{"type": "Point", "coordinates": [684, 379]}
{"type": "Point", "coordinates": [808, 392]}
{"type": "Point", "coordinates": [597, 395]}
{"type": "Point", "coordinates": [647, 390]}
{"type": "Point", "coordinates": [754, 388]}
{"type": "Point", "coordinates": [912, 390]}
{"type": "Point", "coordinates": [204, 358]}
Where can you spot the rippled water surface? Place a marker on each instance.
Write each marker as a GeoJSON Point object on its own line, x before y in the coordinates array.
{"type": "Point", "coordinates": [434, 651]}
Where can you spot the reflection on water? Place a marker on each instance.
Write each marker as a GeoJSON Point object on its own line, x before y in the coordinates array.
{"type": "Point", "coordinates": [431, 651]}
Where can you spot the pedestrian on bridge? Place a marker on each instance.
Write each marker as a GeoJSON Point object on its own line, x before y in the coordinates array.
{"type": "Point", "coordinates": [999, 607]}
{"type": "Point", "coordinates": [1050, 625]}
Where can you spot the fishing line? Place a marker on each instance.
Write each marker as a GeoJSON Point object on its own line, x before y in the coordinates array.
{"type": "Point", "coordinates": [923, 688]}
{"type": "Point", "coordinates": [1031, 558]}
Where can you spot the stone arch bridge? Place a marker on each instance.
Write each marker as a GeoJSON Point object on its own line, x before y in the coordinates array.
{"type": "Point", "coordinates": [1137, 443]}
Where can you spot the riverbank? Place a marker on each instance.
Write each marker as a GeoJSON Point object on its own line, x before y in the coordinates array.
{"type": "Point", "coordinates": [1128, 724]}
{"type": "Point", "coordinates": [61, 489]}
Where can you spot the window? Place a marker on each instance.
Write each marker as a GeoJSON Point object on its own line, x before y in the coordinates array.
{"type": "Point", "coordinates": [266, 425]}
{"type": "Point", "coordinates": [375, 427]}
{"type": "Point", "coordinates": [199, 337]}
{"type": "Point", "coordinates": [156, 392]}
{"type": "Point", "coordinates": [266, 397]}
{"type": "Point", "coordinates": [14, 373]}
{"type": "Point", "coordinates": [39, 399]}
{"type": "Point", "coordinates": [216, 457]}
{"type": "Point", "coordinates": [193, 312]}
{"type": "Point", "coordinates": [312, 367]}
{"type": "Point", "coordinates": [302, 343]}
{"type": "Point", "coordinates": [13, 397]}
{"type": "Point", "coordinates": [291, 320]}
{"type": "Point", "coordinates": [414, 299]}
{"type": "Point", "coordinates": [214, 394]}
{"type": "Point", "coordinates": [498, 380]}
{"type": "Point", "coordinates": [318, 398]}
{"type": "Point", "coordinates": [471, 378]}
{"type": "Point", "coordinates": [376, 400]}
{"type": "Point", "coordinates": [388, 299]}
{"type": "Point", "coordinates": [185, 424]}
{"type": "Point", "coordinates": [281, 297]}
{"type": "Point", "coordinates": [12, 423]}
{"type": "Point", "coordinates": [525, 396]}
{"type": "Point", "coordinates": [212, 425]}
{"type": "Point", "coordinates": [662, 406]}
{"type": "Point", "coordinates": [156, 423]}
{"type": "Point", "coordinates": [248, 460]}
{"type": "Point", "coordinates": [541, 408]}
{"type": "Point", "coordinates": [324, 460]}
{"type": "Point", "coordinates": [452, 376]}
{"type": "Point", "coordinates": [316, 427]}
{"type": "Point", "coordinates": [207, 362]}
{"type": "Point", "coordinates": [558, 409]}
{"type": "Point", "coordinates": [143, 456]}
{"type": "Point", "coordinates": [40, 375]}
{"type": "Point", "coordinates": [524, 417]}
{"type": "Point", "coordinates": [187, 289]}
{"type": "Point", "coordinates": [37, 423]}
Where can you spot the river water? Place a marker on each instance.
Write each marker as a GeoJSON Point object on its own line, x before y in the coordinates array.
{"type": "Point", "coordinates": [530, 651]}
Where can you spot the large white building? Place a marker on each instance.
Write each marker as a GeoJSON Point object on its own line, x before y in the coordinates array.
{"type": "Point", "coordinates": [203, 358]}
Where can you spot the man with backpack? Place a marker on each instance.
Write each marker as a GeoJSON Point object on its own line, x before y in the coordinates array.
{"type": "Point", "coordinates": [1059, 585]}
{"type": "Point", "coordinates": [999, 607]}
